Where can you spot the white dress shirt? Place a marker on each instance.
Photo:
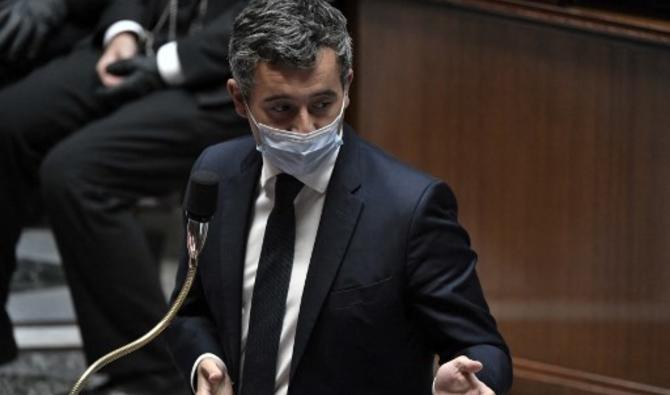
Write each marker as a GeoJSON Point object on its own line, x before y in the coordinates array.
{"type": "Point", "coordinates": [308, 209]}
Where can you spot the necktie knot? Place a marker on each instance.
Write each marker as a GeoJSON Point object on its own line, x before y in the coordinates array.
{"type": "Point", "coordinates": [287, 188]}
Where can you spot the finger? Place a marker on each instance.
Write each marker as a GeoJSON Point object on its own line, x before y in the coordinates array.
{"type": "Point", "coordinates": [124, 46]}
{"type": "Point", "coordinates": [478, 385]}
{"type": "Point", "coordinates": [227, 388]}
{"type": "Point", "coordinates": [467, 365]}
{"type": "Point", "coordinates": [5, 13]}
{"type": "Point", "coordinates": [24, 34]}
{"type": "Point", "coordinates": [473, 381]}
{"type": "Point", "coordinates": [37, 41]}
{"type": "Point", "coordinates": [204, 388]}
{"type": "Point", "coordinates": [101, 69]}
{"type": "Point", "coordinates": [109, 80]}
{"type": "Point", "coordinates": [132, 87]}
{"type": "Point", "coordinates": [211, 371]}
{"type": "Point", "coordinates": [128, 51]}
{"type": "Point", "coordinates": [449, 380]}
{"type": "Point", "coordinates": [210, 377]}
{"type": "Point", "coordinates": [8, 31]}
{"type": "Point", "coordinates": [214, 378]}
{"type": "Point", "coordinates": [121, 67]}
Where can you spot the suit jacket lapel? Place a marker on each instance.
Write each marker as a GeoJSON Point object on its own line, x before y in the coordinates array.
{"type": "Point", "coordinates": [235, 215]}
{"type": "Point", "coordinates": [338, 221]}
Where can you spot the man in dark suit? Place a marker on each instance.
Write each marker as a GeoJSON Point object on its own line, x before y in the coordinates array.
{"type": "Point", "coordinates": [119, 118]}
{"type": "Point", "coordinates": [331, 268]}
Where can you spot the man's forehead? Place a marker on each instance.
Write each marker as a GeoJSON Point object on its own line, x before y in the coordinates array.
{"type": "Point", "coordinates": [273, 79]}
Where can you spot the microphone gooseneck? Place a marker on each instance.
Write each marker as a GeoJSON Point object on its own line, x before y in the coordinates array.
{"type": "Point", "coordinates": [199, 205]}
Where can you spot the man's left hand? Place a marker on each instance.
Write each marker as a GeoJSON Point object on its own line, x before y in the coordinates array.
{"type": "Point", "coordinates": [140, 77]}
{"type": "Point", "coordinates": [458, 377]}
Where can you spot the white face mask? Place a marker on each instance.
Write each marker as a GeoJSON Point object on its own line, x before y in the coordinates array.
{"type": "Point", "coordinates": [298, 153]}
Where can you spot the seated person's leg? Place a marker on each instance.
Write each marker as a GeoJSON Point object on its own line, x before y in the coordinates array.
{"type": "Point", "coordinates": [90, 183]}
{"type": "Point", "coordinates": [35, 113]}
{"type": "Point", "coordinates": [29, 39]}
{"type": "Point", "coordinates": [59, 44]}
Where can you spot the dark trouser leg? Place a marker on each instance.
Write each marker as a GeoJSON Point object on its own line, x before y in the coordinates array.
{"type": "Point", "coordinates": [10, 192]}
{"type": "Point", "coordinates": [90, 182]}
{"type": "Point", "coordinates": [35, 113]}
{"type": "Point", "coordinates": [59, 43]}
{"type": "Point", "coordinates": [9, 232]}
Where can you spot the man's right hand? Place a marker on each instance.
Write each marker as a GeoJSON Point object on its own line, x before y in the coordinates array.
{"type": "Point", "coordinates": [213, 379]}
{"type": "Point", "coordinates": [122, 46]}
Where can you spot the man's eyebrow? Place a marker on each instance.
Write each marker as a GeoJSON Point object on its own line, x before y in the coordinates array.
{"type": "Point", "coordinates": [276, 97]}
{"type": "Point", "coordinates": [325, 92]}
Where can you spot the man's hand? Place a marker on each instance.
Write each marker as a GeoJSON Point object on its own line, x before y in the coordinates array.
{"type": "Point", "coordinates": [25, 24]}
{"type": "Point", "coordinates": [140, 77]}
{"type": "Point", "coordinates": [122, 46]}
{"type": "Point", "coordinates": [213, 379]}
{"type": "Point", "coordinates": [458, 377]}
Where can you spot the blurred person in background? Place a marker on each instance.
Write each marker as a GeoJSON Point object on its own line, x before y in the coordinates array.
{"type": "Point", "coordinates": [119, 116]}
{"type": "Point", "coordinates": [34, 31]}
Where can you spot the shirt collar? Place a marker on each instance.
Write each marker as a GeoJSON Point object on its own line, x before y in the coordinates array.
{"type": "Point", "coordinates": [317, 180]}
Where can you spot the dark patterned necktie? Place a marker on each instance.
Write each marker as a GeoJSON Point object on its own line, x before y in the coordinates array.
{"type": "Point", "coordinates": [268, 302]}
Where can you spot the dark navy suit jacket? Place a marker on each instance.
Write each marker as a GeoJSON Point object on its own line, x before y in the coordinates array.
{"type": "Point", "coordinates": [391, 282]}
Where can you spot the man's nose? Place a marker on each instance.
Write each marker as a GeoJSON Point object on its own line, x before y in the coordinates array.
{"type": "Point", "coordinates": [303, 122]}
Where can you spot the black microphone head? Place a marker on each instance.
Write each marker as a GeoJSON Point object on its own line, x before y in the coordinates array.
{"type": "Point", "coordinates": [201, 195]}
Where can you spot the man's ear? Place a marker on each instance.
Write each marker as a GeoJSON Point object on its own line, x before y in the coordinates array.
{"type": "Point", "coordinates": [350, 78]}
{"type": "Point", "coordinates": [238, 98]}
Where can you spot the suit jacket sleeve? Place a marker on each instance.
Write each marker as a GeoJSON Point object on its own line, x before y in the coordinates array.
{"type": "Point", "coordinates": [118, 10]}
{"type": "Point", "coordinates": [107, 12]}
{"type": "Point", "coordinates": [445, 291]}
{"type": "Point", "coordinates": [192, 332]}
{"type": "Point", "coordinates": [204, 55]}
{"type": "Point", "coordinates": [85, 12]}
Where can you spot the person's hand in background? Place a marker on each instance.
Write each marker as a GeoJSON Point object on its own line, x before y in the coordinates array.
{"type": "Point", "coordinates": [139, 76]}
{"type": "Point", "coordinates": [122, 46]}
{"type": "Point", "coordinates": [25, 25]}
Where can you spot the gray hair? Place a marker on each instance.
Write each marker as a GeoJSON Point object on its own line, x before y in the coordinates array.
{"type": "Point", "coordinates": [286, 32]}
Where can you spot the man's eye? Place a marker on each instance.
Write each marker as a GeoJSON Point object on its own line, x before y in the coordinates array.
{"type": "Point", "coordinates": [280, 108]}
{"type": "Point", "coordinates": [322, 105]}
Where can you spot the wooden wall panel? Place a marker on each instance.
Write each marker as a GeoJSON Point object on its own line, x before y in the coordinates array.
{"type": "Point", "coordinates": [557, 144]}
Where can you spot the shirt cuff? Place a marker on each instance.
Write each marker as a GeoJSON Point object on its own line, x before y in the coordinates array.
{"type": "Point", "coordinates": [125, 26]}
{"type": "Point", "coordinates": [194, 370]}
{"type": "Point", "coordinates": [169, 66]}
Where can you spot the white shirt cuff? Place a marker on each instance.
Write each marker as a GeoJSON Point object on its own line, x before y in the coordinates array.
{"type": "Point", "coordinates": [194, 370]}
{"type": "Point", "coordinates": [169, 66]}
{"type": "Point", "coordinates": [122, 27]}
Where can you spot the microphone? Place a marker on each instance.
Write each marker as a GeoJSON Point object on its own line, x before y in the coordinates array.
{"type": "Point", "coordinates": [199, 205]}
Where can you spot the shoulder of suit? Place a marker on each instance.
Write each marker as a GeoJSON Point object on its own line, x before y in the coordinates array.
{"type": "Point", "coordinates": [382, 163]}
{"type": "Point", "coordinates": [387, 180]}
{"type": "Point", "coordinates": [226, 156]}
